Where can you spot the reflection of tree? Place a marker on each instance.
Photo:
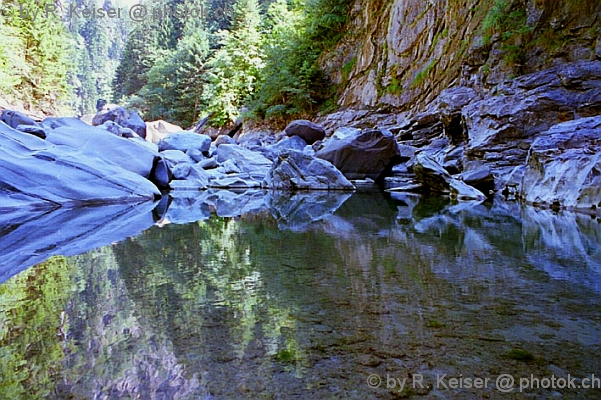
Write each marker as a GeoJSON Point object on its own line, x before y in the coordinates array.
{"type": "Point", "coordinates": [33, 327]}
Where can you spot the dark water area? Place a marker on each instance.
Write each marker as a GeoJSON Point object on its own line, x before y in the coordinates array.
{"type": "Point", "coordinates": [313, 296]}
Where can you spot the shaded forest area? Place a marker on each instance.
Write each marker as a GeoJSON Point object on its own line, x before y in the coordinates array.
{"type": "Point", "coordinates": [241, 58]}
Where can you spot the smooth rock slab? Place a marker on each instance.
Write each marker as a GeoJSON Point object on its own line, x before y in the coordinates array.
{"type": "Point", "coordinates": [41, 174]}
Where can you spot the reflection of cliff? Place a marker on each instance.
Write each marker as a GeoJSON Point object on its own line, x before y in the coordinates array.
{"type": "Point", "coordinates": [114, 352]}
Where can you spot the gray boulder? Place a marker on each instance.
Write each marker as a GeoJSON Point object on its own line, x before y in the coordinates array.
{"type": "Point", "coordinates": [247, 161]}
{"type": "Point", "coordinates": [184, 141]}
{"type": "Point", "coordinates": [564, 166]}
{"type": "Point", "coordinates": [431, 174]}
{"type": "Point", "coordinates": [111, 112]}
{"type": "Point", "coordinates": [289, 143]}
{"type": "Point", "coordinates": [307, 130]}
{"type": "Point", "coordinates": [294, 170]}
{"type": "Point", "coordinates": [135, 123]}
{"type": "Point", "coordinates": [224, 139]}
{"type": "Point", "coordinates": [175, 157]}
{"type": "Point", "coordinates": [99, 144]}
{"type": "Point", "coordinates": [360, 155]}
{"type": "Point", "coordinates": [118, 130]}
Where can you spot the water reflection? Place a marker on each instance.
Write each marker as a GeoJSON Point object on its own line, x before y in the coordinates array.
{"type": "Point", "coordinates": [237, 307]}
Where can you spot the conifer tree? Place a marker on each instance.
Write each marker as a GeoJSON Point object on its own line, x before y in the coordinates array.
{"type": "Point", "coordinates": [235, 67]}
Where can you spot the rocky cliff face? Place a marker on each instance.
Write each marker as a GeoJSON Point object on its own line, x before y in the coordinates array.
{"type": "Point", "coordinates": [475, 85]}
{"type": "Point", "coordinates": [402, 53]}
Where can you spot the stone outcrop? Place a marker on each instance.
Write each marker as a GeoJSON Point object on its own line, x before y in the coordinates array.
{"type": "Point", "coordinates": [501, 128]}
{"type": "Point", "coordinates": [564, 166]}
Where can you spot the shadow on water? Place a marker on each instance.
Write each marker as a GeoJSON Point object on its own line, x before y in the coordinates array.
{"type": "Point", "coordinates": [265, 295]}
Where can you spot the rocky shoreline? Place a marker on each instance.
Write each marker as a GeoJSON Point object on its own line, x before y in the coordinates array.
{"type": "Point", "coordinates": [534, 139]}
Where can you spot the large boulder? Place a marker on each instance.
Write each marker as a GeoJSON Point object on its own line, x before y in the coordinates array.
{"type": "Point", "coordinates": [307, 130]}
{"type": "Point", "coordinates": [135, 123]}
{"type": "Point", "coordinates": [294, 170]}
{"type": "Point", "coordinates": [289, 143]}
{"type": "Point", "coordinates": [363, 154]}
{"type": "Point", "coordinates": [37, 173]}
{"type": "Point", "coordinates": [15, 118]}
{"type": "Point", "coordinates": [184, 141]}
{"type": "Point", "coordinates": [564, 166]}
{"type": "Point", "coordinates": [110, 112]}
{"type": "Point", "coordinates": [431, 174]}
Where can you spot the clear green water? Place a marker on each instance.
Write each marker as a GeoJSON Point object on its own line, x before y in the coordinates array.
{"type": "Point", "coordinates": [254, 307]}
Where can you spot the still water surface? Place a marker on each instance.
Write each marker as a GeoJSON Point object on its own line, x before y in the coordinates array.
{"type": "Point", "coordinates": [287, 301]}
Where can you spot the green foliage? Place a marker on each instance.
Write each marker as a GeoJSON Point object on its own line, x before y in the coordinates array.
{"type": "Point", "coordinates": [139, 55]}
{"type": "Point", "coordinates": [421, 76]}
{"type": "Point", "coordinates": [35, 55]}
{"type": "Point", "coordinates": [509, 20]}
{"type": "Point", "coordinates": [173, 91]}
{"type": "Point", "coordinates": [33, 330]}
{"type": "Point", "coordinates": [269, 61]}
{"type": "Point", "coordinates": [292, 82]}
{"type": "Point", "coordinates": [233, 70]}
